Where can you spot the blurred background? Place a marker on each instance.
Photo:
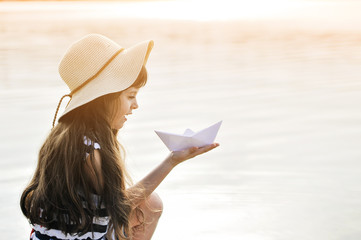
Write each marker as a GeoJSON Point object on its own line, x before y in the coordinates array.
{"type": "Point", "coordinates": [284, 76]}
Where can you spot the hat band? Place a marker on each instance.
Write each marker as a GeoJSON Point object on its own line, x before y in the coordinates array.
{"type": "Point", "coordinates": [84, 83]}
{"type": "Point", "coordinates": [95, 75]}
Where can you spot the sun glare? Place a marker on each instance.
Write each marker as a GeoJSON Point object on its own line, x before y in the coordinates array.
{"type": "Point", "coordinates": [235, 9]}
{"type": "Point", "coordinates": [204, 10]}
{"type": "Point", "coordinates": [199, 10]}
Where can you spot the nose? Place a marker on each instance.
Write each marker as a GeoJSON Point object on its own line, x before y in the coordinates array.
{"type": "Point", "coordinates": [135, 104]}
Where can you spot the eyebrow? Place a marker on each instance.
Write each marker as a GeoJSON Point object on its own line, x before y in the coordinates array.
{"type": "Point", "coordinates": [133, 92]}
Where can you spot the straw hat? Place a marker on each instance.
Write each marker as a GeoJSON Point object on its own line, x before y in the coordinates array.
{"type": "Point", "coordinates": [95, 66]}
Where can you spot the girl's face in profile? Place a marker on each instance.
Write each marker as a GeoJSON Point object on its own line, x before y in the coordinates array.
{"type": "Point", "coordinates": [128, 102]}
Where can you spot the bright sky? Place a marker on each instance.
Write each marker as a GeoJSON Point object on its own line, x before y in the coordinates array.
{"type": "Point", "coordinates": [203, 10]}
{"type": "Point", "coordinates": [231, 9]}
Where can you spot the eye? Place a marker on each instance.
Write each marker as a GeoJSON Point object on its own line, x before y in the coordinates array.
{"type": "Point", "coordinates": [131, 97]}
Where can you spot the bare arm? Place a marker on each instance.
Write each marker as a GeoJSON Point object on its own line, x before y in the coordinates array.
{"type": "Point", "coordinates": [148, 184]}
{"type": "Point", "coordinates": [93, 171]}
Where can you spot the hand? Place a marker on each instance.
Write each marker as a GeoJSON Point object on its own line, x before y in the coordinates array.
{"type": "Point", "coordinates": [177, 157]}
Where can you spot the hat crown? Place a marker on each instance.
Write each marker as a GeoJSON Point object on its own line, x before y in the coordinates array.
{"type": "Point", "coordinates": [85, 58]}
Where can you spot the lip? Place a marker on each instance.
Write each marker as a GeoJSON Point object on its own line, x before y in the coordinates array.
{"type": "Point", "coordinates": [125, 116]}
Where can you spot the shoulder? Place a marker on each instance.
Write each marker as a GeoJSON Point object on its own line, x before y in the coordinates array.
{"type": "Point", "coordinates": [93, 170]}
{"type": "Point", "coordinates": [96, 158]}
{"type": "Point", "coordinates": [93, 164]}
{"type": "Point", "coordinates": [92, 152]}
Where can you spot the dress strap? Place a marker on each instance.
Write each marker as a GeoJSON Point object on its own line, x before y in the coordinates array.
{"type": "Point", "coordinates": [89, 142]}
{"type": "Point", "coordinates": [91, 145]}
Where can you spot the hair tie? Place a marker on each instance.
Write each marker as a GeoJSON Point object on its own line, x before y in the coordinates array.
{"type": "Point", "coordinates": [57, 109]}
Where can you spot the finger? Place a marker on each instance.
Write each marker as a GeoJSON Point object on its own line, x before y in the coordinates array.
{"type": "Point", "coordinates": [205, 149]}
{"type": "Point", "coordinates": [192, 150]}
{"type": "Point", "coordinates": [209, 147]}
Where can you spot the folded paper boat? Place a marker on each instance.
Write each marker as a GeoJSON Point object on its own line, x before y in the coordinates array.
{"type": "Point", "coordinates": [178, 142]}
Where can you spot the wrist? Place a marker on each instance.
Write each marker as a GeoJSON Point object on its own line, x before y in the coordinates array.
{"type": "Point", "coordinates": [171, 161]}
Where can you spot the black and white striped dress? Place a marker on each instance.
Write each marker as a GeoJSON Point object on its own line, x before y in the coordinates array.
{"type": "Point", "coordinates": [99, 227]}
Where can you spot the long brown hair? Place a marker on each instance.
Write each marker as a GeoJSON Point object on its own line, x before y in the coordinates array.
{"type": "Point", "coordinates": [60, 177]}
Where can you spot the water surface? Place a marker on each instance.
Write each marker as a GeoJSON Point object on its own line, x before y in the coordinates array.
{"type": "Point", "coordinates": [288, 93]}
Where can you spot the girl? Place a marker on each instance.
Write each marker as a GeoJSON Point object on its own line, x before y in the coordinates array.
{"type": "Point", "coordinates": [79, 189]}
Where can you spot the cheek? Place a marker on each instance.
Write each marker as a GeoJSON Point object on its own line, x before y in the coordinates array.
{"type": "Point", "coordinates": [117, 112]}
{"type": "Point", "coordinates": [126, 106]}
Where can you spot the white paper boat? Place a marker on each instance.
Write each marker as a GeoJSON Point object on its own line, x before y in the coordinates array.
{"type": "Point", "coordinates": [178, 142]}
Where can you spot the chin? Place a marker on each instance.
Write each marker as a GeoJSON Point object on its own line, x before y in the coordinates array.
{"type": "Point", "coordinates": [119, 126]}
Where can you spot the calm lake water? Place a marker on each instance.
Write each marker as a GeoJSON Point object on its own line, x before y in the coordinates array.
{"type": "Point", "coordinates": [287, 88]}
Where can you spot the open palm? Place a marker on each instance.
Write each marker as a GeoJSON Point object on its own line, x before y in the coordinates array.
{"type": "Point", "coordinates": [181, 156]}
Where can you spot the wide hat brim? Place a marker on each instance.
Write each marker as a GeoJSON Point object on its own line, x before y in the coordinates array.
{"type": "Point", "coordinates": [117, 76]}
